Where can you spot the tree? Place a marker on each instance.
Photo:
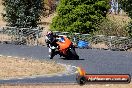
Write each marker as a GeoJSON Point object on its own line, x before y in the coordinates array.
{"type": "Point", "coordinates": [79, 15]}
{"type": "Point", "coordinates": [23, 13]}
{"type": "Point", "coordinates": [126, 6]}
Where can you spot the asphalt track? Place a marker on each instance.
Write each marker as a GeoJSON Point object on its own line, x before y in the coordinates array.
{"type": "Point", "coordinates": [93, 61]}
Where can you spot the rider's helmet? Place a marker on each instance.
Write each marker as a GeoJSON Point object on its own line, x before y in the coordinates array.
{"type": "Point", "coordinates": [50, 36]}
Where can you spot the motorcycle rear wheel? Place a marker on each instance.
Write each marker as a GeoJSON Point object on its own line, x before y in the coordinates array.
{"type": "Point", "coordinates": [73, 54]}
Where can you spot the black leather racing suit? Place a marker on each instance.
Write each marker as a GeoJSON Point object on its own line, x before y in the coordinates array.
{"type": "Point", "coordinates": [51, 42]}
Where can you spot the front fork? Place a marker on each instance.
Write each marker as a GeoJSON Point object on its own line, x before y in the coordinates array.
{"type": "Point", "coordinates": [50, 52]}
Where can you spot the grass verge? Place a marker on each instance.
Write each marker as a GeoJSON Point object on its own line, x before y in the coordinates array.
{"type": "Point", "coordinates": [11, 67]}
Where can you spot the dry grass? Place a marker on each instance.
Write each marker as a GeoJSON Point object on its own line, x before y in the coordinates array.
{"type": "Point", "coordinates": [11, 67]}
{"type": "Point", "coordinates": [114, 25]}
{"type": "Point", "coordinates": [121, 19]}
{"type": "Point", "coordinates": [130, 50]}
{"type": "Point", "coordinates": [120, 23]}
{"type": "Point", "coordinates": [71, 86]}
{"type": "Point", "coordinates": [5, 37]}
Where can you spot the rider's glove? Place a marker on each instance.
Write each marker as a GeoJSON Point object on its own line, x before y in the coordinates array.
{"type": "Point", "coordinates": [53, 47]}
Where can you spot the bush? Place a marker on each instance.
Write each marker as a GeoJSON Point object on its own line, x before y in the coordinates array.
{"type": "Point", "coordinates": [129, 29]}
{"type": "Point", "coordinates": [113, 25]}
{"type": "Point", "coordinates": [127, 7]}
{"type": "Point", "coordinates": [79, 15]}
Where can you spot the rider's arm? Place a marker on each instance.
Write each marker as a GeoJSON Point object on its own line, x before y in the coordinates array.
{"type": "Point", "coordinates": [46, 41]}
{"type": "Point", "coordinates": [56, 36]}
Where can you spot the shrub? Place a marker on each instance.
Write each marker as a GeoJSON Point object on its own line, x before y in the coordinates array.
{"type": "Point", "coordinates": [79, 15]}
{"type": "Point", "coordinates": [114, 25]}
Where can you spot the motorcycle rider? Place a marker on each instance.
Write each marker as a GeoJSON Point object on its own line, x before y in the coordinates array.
{"type": "Point", "coordinates": [51, 43]}
{"type": "Point", "coordinates": [60, 44]}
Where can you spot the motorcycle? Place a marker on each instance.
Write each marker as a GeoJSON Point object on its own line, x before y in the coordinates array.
{"type": "Point", "coordinates": [64, 48]}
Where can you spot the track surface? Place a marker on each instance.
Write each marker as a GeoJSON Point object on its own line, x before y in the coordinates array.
{"type": "Point", "coordinates": [93, 61]}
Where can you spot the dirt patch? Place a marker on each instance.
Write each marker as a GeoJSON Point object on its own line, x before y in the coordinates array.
{"type": "Point", "coordinates": [130, 50]}
{"type": "Point", "coordinates": [5, 37]}
{"type": "Point", "coordinates": [11, 67]}
{"type": "Point", "coordinates": [99, 45]}
{"type": "Point", "coordinates": [72, 86]}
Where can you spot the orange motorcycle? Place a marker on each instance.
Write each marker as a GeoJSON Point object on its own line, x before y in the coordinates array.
{"type": "Point", "coordinates": [64, 48]}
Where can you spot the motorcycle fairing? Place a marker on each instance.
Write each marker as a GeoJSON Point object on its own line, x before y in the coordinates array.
{"type": "Point", "coordinates": [64, 45]}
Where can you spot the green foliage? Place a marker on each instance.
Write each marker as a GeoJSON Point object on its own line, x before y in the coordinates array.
{"type": "Point", "coordinates": [79, 15]}
{"type": "Point", "coordinates": [23, 13]}
{"type": "Point", "coordinates": [127, 6]}
{"type": "Point", "coordinates": [129, 29]}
